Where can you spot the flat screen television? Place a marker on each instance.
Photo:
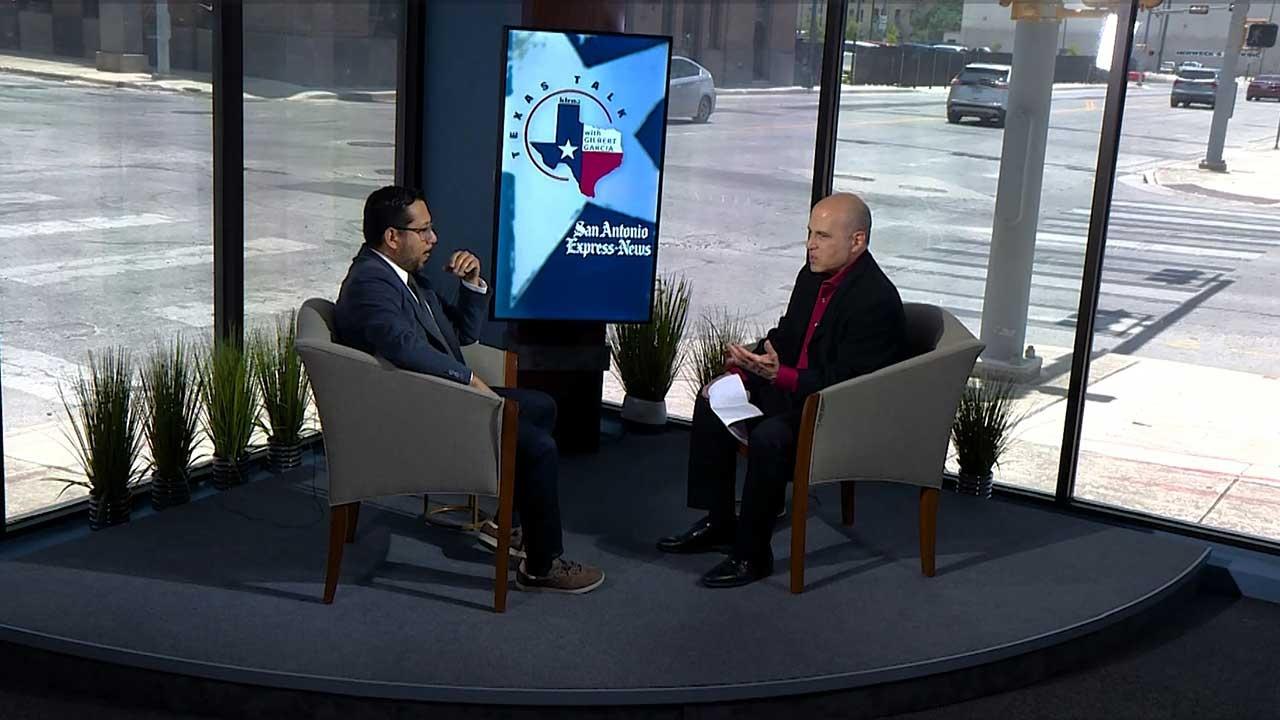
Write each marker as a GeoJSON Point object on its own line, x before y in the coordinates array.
{"type": "Point", "coordinates": [580, 153]}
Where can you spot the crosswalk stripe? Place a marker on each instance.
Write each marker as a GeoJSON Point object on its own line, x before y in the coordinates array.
{"type": "Point", "coordinates": [1172, 234]}
{"type": "Point", "coordinates": [58, 227]}
{"type": "Point", "coordinates": [1037, 314]}
{"type": "Point", "coordinates": [1050, 238]}
{"type": "Point", "coordinates": [200, 315]}
{"type": "Point", "coordinates": [1043, 280]}
{"type": "Point", "coordinates": [1155, 248]}
{"type": "Point", "coordinates": [24, 198]}
{"type": "Point", "coordinates": [35, 373]}
{"type": "Point", "coordinates": [1184, 221]}
{"type": "Point", "coordinates": [50, 273]}
{"type": "Point", "coordinates": [1191, 209]}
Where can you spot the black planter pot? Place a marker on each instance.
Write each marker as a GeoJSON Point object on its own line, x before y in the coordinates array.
{"type": "Point", "coordinates": [975, 485]}
{"type": "Point", "coordinates": [228, 474]}
{"type": "Point", "coordinates": [169, 492]}
{"type": "Point", "coordinates": [106, 510]}
{"type": "Point", "coordinates": [282, 457]}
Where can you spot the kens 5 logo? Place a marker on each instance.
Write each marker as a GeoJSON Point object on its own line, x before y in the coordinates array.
{"type": "Point", "coordinates": [568, 134]}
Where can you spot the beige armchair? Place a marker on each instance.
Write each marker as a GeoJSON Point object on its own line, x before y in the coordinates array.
{"type": "Point", "coordinates": [394, 432]}
{"type": "Point", "coordinates": [496, 368]}
{"type": "Point", "coordinates": [891, 425]}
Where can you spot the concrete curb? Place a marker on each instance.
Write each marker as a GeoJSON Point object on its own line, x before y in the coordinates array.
{"type": "Point", "coordinates": [1160, 178]}
{"type": "Point", "coordinates": [368, 96]}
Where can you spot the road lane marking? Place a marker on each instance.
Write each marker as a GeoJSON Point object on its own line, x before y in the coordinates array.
{"type": "Point", "coordinates": [50, 273]}
{"type": "Point", "coordinates": [58, 227]}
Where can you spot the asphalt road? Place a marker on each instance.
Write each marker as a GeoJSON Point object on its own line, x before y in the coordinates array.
{"type": "Point", "coordinates": [105, 217]}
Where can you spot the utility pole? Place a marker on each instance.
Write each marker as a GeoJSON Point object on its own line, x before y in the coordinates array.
{"type": "Point", "coordinates": [1225, 102]}
{"type": "Point", "coordinates": [1007, 296]}
{"type": "Point", "coordinates": [1164, 31]}
{"type": "Point", "coordinates": [162, 37]}
{"type": "Point", "coordinates": [811, 50]}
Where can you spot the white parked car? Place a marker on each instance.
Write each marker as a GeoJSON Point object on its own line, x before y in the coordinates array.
{"type": "Point", "coordinates": [691, 91]}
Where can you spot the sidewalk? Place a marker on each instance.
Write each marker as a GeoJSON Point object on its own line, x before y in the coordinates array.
{"type": "Point", "coordinates": [1253, 176]}
{"type": "Point", "coordinates": [1172, 439]}
{"type": "Point", "coordinates": [182, 81]}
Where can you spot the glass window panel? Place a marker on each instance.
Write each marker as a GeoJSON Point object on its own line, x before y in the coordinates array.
{"type": "Point", "coordinates": [1180, 415]}
{"type": "Point", "coordinates": [105, 211]}
{"type": "Point", "coordinates": [979, 209]}
{"type": "Point", "coordinates": [739, 158]}
{"type": "Point", "coordinates": [319, 120]}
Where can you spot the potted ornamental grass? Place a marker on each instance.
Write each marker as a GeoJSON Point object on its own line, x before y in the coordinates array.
{"type": "Point", "coordinates": [648, 356]}
{"type": "Point", "coordinates": [171, 400]}
{"type": "Point", "coordinates": [982, 431]}
{"type": "Point", "coordinates": [285, 391]}
{"type": "Point", "coordinates": [717, 329]}
{"type": "Point", "coordinates": [230, 405]}
{"type": "Point", "coordinates": [106, 430]}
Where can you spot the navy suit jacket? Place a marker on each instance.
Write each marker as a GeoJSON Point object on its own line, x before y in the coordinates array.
{"type": "Point", "coordinates": [376, 313]}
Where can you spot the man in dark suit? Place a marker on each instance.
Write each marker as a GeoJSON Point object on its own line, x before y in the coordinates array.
{"type": "Point", "coordinates": [844, 319]}
{"type": "Point", "coordinates": [387, 307]}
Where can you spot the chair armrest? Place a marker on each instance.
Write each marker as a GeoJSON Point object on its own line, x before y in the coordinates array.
{"type": "Point", "coordinates": [392, 432]}
{"type": "Point", "coordinates": [495, 366]}
{"type": "Point", "coordinates": [893, 424]}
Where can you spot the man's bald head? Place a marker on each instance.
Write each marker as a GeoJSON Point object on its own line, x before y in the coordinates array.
{"type": "Point", "coordinates": [839, 230]}
{"type": "Point", "coordinates": [850, 209]}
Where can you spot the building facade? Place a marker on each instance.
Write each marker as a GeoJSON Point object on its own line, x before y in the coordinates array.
{"type": "Point", "coordinates": [323, 44]}
{"type": "Point", "coordinates": [1166, 35]}
{"type": "Point", "coordinates": [744, 43]}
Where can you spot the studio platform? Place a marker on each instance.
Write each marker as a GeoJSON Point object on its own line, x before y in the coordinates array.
{"type": "Point", "coordinates": [227, 589]}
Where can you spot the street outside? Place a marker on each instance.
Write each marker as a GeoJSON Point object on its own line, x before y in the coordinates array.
{"type": "Point", "coordinates": [105, 238]}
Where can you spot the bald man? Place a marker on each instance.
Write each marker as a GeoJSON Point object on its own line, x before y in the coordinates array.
{"type": "Point", "coordinates": [844, 319]}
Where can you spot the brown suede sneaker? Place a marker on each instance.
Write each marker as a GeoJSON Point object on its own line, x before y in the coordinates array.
{"type": "Point", "coordinates": [488, 536]}
{"type": "Point", "coordinates": [565, 576]}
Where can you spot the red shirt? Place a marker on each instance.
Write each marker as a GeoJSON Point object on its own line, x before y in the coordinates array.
{"type": "Point", "coordinates": [788, 377]}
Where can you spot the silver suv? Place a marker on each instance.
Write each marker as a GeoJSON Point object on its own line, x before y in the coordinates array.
{"type": "Point", "coordinates": [1194, 85]}
{"type": "Point", "coordinates": [980, 90]}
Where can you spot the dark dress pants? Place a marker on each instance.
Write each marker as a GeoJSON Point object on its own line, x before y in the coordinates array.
{"type": "Point", "coordinates": [771, 453]}
{"type": "Point", "coordinates": [537, 495]}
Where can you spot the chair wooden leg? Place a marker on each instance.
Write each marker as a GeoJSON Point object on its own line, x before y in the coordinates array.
{"type": "Point", "coordinates": [799, 517]}
{"type": "Point", "coordinates": [506, 494]}
{"type": "Point", "coordinates": [928, 529]}
{"type": "Point", "coordinates": [353, 517]}
{"type": "Point", "coordinates": [846, 502]}
{"type": "Point", "coordinates": [338, 517]}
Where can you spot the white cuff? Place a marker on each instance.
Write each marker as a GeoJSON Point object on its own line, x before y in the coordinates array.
{"type": "Point", "coordinates": [482, 288]}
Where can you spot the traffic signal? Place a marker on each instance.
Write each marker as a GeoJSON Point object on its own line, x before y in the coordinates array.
{"type": "Point", "coordinates": [1198, 9]}
{"type": "Point", "coordinates": [1260, 35]}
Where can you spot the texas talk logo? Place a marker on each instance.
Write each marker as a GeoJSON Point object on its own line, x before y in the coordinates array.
{"type": "Point", "coordinates": [568, 134]}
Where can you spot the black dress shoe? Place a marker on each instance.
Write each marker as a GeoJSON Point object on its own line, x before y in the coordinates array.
{"type": "Point", "coordinates": [734, 572]}
{"type": "Point", "coordinates": [702, 537]}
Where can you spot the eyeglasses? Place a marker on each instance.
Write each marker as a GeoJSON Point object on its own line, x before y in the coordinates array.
{"type": "Point", "coordinates": [422, 231]}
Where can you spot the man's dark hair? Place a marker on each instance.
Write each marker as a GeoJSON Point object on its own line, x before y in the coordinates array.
{"type": "Point", "coordinates": [387, 207]}
{"type": "Point", "coordinates": [867, 217]}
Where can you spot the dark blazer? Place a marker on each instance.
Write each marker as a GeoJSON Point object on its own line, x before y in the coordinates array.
{"type": "Point", "coordinates": [376, 313]}
{"type": "Point", "coordinates": [863, 329]}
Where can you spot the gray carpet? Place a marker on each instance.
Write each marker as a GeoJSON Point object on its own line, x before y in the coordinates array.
{"type": "Point", "coordinates": [234, 580]}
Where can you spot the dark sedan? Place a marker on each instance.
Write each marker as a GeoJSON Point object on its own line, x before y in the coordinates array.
{"type": "Point", "coordinates": [1263, 86]}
